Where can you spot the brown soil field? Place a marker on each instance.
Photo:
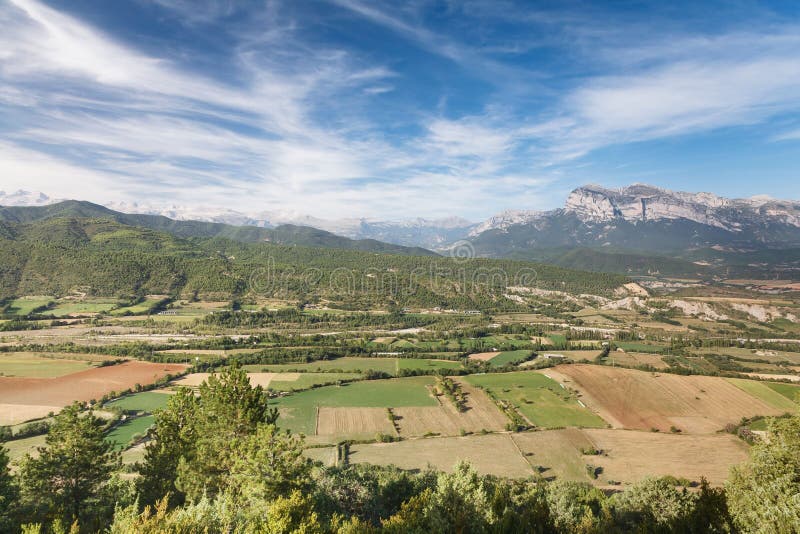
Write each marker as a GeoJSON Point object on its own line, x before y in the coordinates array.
{"type": "Point", "coordinates": [446, 420]}
{"type": "Point", "coordinates": [630, 455]}
{"type": "Point", "coordinates": [256, 379]}
{"type": "Point", "coordinates": [353, 423]}
{"type": "Point", "coordinates": [493, 454]}
{"type": "Point", "coordinates": [483, 356]}
{"type": "Point", "coordinates": [641, 400]}
{"type": "Point", "coordinates": [20, 394]}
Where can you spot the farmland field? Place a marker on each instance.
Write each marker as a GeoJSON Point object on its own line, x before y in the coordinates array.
{"type": "Point", "coordinates": [630, 455]}
{"type": "Point", "coordinates": [538, 398]}
{"type": "Point", "coordinates": [511, 356]}
{"type": "Point", "coordinates": [781, 397]}
{"type": "Point", "coordinates": [299, 410]}
{"type": "Point", "coordinates": [19, 395]}
{"type": "Point", "coordinates": [494, 454]}
{"type": "Point", "coordinates": [353, 423]}
{"type": "Point", "coordinates": [390, 366]}
{"type": "Point", "coordinates": [33, 365]}
{"type": "Point", "coordinates": [78, 307]}
{"type": "Point", "coordinates": [24, 306]}
{"type": "Point", "coordinates": [480, 414]}
{"type": "Point", "coordinates": [124, 433]}
{"type": "Point", "coordinates": [642, 400]}
{"type": "Point", "coordinates": [146, 401]}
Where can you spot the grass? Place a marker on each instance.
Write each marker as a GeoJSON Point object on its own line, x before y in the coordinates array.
{"type": "Point", "coordinates": [790, 391]}
{"type": "Point", "coordinates": [765, 392]}
{"type": "Point", "coordinates": [557, 340]}
{"type": "Point", "coordinates": [123, 434]}
{"type": "Point", "coordinates": [639, 347]}
{"type": "Point", "coordinates": [540, 399]}
{"type": "Point", "coordinates": [86, 306]}
{"type": "Point", "coordinates": [299, 410]}
{"type": "Point", "coordinates": [346, 365]}
{"type": "Point", "coordinates": [25, 305]}
{"type": "Point", "coordinates": [137, 309]}
{"type": "Point", "coordinates": [33, 365]}
{"type": "Point", "coordinates": [309, 380]}
{"type": "Point", "coordinates": [17, 448]}
{"type": "Point", "coordinates": [390, 366]}
{"type": "Point", "coordinates": [511, 356]}
{"type": "Point", "coordinates": [147, 401]}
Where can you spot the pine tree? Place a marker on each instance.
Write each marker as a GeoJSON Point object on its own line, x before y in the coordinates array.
{"type": "Point", "coordinates": [66, 480]}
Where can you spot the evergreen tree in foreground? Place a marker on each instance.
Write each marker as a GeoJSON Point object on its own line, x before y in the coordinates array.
{"type": "Point", "coordinates": [65, 482]}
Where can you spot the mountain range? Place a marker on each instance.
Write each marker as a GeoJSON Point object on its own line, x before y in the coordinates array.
{"type": "Point", "coordinates": [639, 229]}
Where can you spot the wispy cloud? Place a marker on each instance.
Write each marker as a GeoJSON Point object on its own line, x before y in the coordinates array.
{"type": "Point", "coordinates": [299, 122]}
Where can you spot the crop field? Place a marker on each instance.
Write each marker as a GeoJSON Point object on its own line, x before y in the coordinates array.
{"type": "Point", "coordinates": [353, 423]}
{"type": "Point", "coordinates": [635, 346]}
{"type": "Point", "coordinates": [480, 414]}
{"type": "Point", "coordinates": [299, 410]}
{"type": "Point", "coordinates": [633, 359]}
{"type": "Point", "coordinates": [264, 380]}
{"type": "Point", "coordinates": [641, 400]}
{"type": "Point", "coordinates": [556, 453]}
{"type": "Point", "coordinates": [137, 309]}
{"type": "Point", "coordinates": [538, 398]}
{"type": "Point", "coordinates": [33, 365]}
{"type": "Point", "coordinates": [79, 307]}
{"type": "Point", "coordinates": [25, 305]}
{"type": "Point", "coordinates": [629, 456]}
{"type": "Point", "coordinates": [35, 397]}
{"type": "Point", "coordinates": [123, 434]}
{"type": "Point", "coordinates": [390, 366]}
{"type": "Point", "coordinates": [494, 454]}
{"type": "Point", "coordinates": [146, 401]}
{"type": "Point", "coordinates": [509, 357]}
{"type": "Point", "coordinates": [781, 396]}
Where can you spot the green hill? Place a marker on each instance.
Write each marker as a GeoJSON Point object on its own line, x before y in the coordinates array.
{"type": "Point", "coordinates": [106, 258]}
{"type": "Point", "coordinates": [285, 234]}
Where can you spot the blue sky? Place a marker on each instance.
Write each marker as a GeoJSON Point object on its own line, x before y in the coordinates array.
{"type": "Point", "coordinates": [343, 108]}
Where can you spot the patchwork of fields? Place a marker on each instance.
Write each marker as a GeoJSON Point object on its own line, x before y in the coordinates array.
{"type": "Point", "coordinates": [23, 399]}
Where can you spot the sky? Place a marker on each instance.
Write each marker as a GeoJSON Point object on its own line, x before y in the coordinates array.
{"type": "Point", "coordinates": [394, 110]}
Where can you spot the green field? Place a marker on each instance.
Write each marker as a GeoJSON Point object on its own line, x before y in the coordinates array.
{"type": "Point", "coordinates": [137, 309]}
{"type": "Point", "coordinates": [83, 306]}
{"type": "Point", "coordinates": [18, 448]}
{"type": "Point", "coordinates": [358, 365]}
{"type": "Point", "coordinates": [767, 393]}
{"type": "Point", "coordinates": [25, 305]}
{"type": "Point", "coordinates": [123, 434]}
{"type": "Point", "coordinates": [147, 401]}
{"type": "Point", "coordinates": [639, 347]}
{"type": "Point", "coordinates": [308, 380]}
{"type": "Point", "coordinates": [541, 400]}
{"type": "Point", "coordinates": [558, 340]}
{"type": "Point", "coordinates": [34, 365]}
{"type": "Point", "coordinates": [790, 391]}
{"type": "Point", "coordinates": [511, 356]}
{"type": "Point", "coordinates": [299, 410]}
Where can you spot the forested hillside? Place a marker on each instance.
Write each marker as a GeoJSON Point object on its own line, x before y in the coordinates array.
{"type": "Point", "coordinates": [104, 257]}
{"type": "Point", "coordinates": [285, 234]}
